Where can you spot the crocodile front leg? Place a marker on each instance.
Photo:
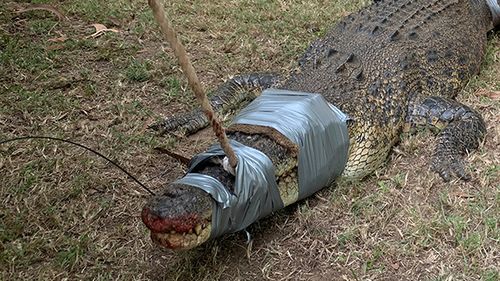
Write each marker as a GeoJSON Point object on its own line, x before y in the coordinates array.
{"type": "Point", "coordinates": [461, 131]}
{"type": "Point", "coordinates": [230, 96]}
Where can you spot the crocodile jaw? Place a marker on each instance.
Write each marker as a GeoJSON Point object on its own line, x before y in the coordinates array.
{"type": "Point", "coordinates": [180, 217]}
{"type": "Point", "coordinates": [182, 241]}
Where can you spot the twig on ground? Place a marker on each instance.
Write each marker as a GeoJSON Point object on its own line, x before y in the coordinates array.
{"type": "Point", "coordinates": [43, 7]}
{"type": "Point", "coordinates": [181, 158]}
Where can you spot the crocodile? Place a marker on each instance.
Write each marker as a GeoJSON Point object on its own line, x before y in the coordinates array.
{"type": "Point", "coordinates": [393, 65]}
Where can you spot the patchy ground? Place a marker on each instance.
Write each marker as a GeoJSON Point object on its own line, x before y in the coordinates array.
{"type": "Point", "coordinates": [69, 214]}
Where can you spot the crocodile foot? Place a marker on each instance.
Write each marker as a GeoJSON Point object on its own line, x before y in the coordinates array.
{"type": "Point", "coordinates": [462, 130]}
{"type": "Point", "coordinates": [232, 95]}
{"type": "Point", "coordinates": [450, 166]}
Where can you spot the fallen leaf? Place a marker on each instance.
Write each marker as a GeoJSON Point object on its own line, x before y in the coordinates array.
{"type": "Point", "coordinates": [43, 7]}
{"type": "Point", "coordinates": [100, 29]}
{"type": "Point", "coordinates": [494, 95]}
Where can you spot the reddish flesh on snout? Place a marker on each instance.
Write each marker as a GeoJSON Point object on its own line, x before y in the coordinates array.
{"type": "Point", "coordinates": [181, 224]}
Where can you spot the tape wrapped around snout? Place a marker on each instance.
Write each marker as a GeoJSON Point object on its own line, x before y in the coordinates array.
{"type": "Point", "coordinates": [255, 194]}
{"type": "Point", "coordinates": [318, 128]}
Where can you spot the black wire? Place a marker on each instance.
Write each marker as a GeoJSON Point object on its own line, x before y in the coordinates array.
{"type": "Point", "coordinates": [84, 147]}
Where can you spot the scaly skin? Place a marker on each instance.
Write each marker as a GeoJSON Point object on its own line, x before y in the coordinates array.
{"type": "Point", "coordinates": [391, 64]}
{"type": "Point", "coordinates": [230, 96]}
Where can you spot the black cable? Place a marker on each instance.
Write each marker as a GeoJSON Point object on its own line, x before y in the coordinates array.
{"type": "Point", "coordinates": [84, 147]}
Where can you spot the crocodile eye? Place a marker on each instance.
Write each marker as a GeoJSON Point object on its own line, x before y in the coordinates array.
{"type": "Point", "coordinates": [350, 122]}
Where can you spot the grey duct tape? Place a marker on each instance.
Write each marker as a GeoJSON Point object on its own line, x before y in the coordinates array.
{"type": "Point", "coordinates": [255, 195]}
{"type": "Point", "coordinates": [317, 127]}
{"type": "Point", "coordinates": [211, 186]}
{"type": "Point", "coordinates": [495, 11]}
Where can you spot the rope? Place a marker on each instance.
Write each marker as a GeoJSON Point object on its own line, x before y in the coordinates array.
{"type": "Point", "coordinates": [193, 81]}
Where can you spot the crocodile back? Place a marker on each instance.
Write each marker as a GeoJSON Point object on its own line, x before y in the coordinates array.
{"type": "Point", "coordinates": [375, 63]}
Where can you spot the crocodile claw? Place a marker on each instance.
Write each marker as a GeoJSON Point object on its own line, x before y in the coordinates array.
{"type": "Point", "coordinates": [450, 166]}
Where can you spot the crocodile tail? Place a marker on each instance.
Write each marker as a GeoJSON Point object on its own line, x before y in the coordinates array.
{"type": "Point", "coordinates": [227, 98]}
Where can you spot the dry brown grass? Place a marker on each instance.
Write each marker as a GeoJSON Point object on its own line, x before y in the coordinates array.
{"type": "Point", "coordinates": [68, 214]}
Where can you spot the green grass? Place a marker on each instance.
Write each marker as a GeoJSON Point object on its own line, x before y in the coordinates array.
{"type": "Point", "coordinates": [137, 71]}
{"type": "Point", "coordinates": [68, 257]}
{"type": "Point", "coordinates": [23, 56]}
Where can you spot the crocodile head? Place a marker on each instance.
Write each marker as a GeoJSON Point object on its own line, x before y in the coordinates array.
{"type": "Point", "coordinates": [180, 217]}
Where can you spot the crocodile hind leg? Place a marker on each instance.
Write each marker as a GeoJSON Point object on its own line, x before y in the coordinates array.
{"type": "Point", "coordinates": [230, 96]}
{"type": "Point", "coordinates": [461, 130]}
